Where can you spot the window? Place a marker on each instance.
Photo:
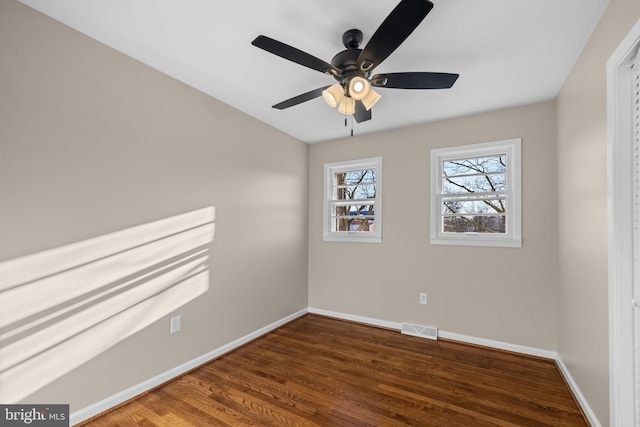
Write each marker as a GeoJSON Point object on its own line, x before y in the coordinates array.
{"type": "Point", "coordinates": [353, 201]}
{"type": "Point", "coordinates": [475, 195]}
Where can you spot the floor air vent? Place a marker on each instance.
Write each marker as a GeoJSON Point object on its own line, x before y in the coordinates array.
{"type": "Point", "coordinates": [420, 331]}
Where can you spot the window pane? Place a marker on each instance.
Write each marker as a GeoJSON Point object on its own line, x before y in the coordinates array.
{"type": "Point", "coordinates": [358, 184]}
{"type": "Point", "coordinates": [355, 209]}
{"type": "Point", "coordinates": [364, 191]}
{"type": "Point", "coordinates": [354, 217]}
{"type": "Point", "coordinates": [354, 224]}
{"type": "Point", "coordinates": [483, 206]}
{"type": "Point", "coordinates": [474, 224]}
{"type": "Point", "coordinates": [356, 177]}
{"type": "Point", "coordinates": [476, 165]}
{"type": "Point", "coordinates": [475, 184]}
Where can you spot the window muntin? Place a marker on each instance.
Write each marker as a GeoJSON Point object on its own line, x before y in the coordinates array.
{"type": "Point", "coordinates": [353, 200]}
{"type": "Point", "coordinates": [476, 194]}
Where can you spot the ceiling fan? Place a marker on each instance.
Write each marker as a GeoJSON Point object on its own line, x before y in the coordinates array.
{"type": "Point", "coordinates": [353, 94]}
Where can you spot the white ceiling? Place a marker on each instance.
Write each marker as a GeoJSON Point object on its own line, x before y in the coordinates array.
{"type": "Point", "coordinates": [507, 52]}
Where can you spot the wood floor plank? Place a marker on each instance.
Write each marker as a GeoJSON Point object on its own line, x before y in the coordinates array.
{"type": "Point", "coordinates": [305, 383]}
{"type": "Point", "coordinates": [189, 390]}
{"type": "Point", "coordinates": [264, 383]}
{"type": "Point", "coordinates": [318, 371]}
{"type": "Point", "coordinates": [260, 407]}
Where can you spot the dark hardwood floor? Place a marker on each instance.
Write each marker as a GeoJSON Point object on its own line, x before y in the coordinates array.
{"type": "Point", "coordinates": [317, 371]}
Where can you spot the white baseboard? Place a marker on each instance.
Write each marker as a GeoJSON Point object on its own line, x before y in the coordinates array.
{"type": "Point", "coordinates": [591, 416]}
{"type": "Point", "coordinates": [121, 397]}
{"type": "Point", "coordinates": [359, 319]}
{"type": "Point", "coordinates": [500, 345]}
{"type": "Point", "coordinates": [443, 334]}
{"type": "Point", "coordinates": [531, 351]}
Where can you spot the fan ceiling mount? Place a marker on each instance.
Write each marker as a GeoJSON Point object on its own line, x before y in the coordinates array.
{"type": "Point", "coordinates": [354, 93]}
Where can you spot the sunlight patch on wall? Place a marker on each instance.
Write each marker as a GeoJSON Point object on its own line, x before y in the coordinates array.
{"type": "Point", "coordinates": [65, 306]}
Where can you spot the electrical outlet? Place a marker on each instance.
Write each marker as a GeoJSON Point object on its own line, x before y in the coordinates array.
{"type": "Point", "coordinates": [423, 298]}
{"type": "Point", "coordinates": [175, 324]}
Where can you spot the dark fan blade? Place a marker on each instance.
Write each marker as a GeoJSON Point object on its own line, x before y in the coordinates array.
{"type": "Point", "coordinates": [300, 98]}
{"type": "Point", "coordinates": [418, 80]}
{"type": "Point", "coordinates": [395, 29]}
{"type": "Point", "coordinates": [295, 55]}
{"type": "Point", "coordinates": [361, 114]}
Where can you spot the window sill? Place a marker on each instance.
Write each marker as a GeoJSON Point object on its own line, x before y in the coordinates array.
{"type": "Point", "coordinates": [496, 243]}
{"type": "Point", "coordinates": [353, 238]}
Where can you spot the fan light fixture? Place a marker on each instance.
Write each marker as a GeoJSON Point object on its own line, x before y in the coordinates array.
{"type": "Point", "coordinates": [358, 88]}
{"type": "Point", "coordinates": [347, 105]}
{"type": "Point", "coordinates": [371, 98]}
{"type": "Point", "coordinates": [333, 94]}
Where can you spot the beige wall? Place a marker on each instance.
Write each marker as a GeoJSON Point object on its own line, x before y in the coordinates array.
{"type": "Point", "coordinates": [502, 294]}
{"type": "Point", "coordinates": [582, 210]}
{"type": "Point", "coordinates": [93, 142]}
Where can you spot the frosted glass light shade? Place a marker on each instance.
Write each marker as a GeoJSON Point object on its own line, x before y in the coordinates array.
{"type": "Point", "coordinates": [333, 94]}
{"type": "Point", "coordinates": [347, 105]}
{"type": "Point", "coordinates": [358, 88]}
{"type": "Point", "coordinates": [371, 98]}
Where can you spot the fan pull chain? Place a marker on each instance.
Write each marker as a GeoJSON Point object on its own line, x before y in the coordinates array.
{"type": "Point", "coordinates": [352, 126]}
{"type": "Point", "coordinates": [346, 123]}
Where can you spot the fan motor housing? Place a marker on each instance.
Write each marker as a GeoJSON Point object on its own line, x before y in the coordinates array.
{"type": "Point", "coordinates": [346, 60]}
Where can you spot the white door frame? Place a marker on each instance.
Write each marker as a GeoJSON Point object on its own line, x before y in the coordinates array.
{"type": "Point", "coordinates": [620, 175]}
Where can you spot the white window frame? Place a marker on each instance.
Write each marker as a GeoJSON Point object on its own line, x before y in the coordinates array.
{"type": "Point", "coordinates": [330, 169]}
{"type": "Point", "coordinates": [513, 235]}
